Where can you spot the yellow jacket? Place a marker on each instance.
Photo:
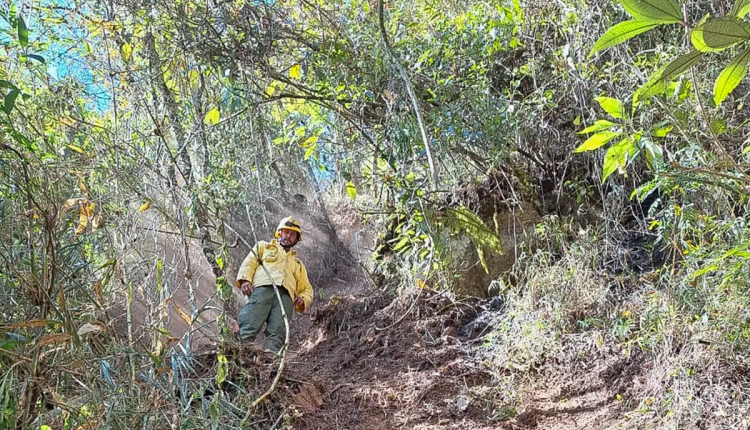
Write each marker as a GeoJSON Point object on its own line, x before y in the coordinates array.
{"type": "Point", "coordinates": [284, 267]}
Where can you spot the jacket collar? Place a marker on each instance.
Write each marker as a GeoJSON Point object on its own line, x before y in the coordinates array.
{"type": "Point", "coordinates": [291, 252]}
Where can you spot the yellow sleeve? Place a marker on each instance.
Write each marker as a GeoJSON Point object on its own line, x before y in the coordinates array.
{"type": "Point", "coordinates": [250, 264]}
{"type": "Point", "coordinates": [304, 289]}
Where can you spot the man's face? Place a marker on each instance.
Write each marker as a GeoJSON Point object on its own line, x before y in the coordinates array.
{"type": "Point", "coordinates": [287, 237]}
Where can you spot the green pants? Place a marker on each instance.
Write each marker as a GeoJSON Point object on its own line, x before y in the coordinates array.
{"type": "Point", "coordinates": [263, 307]}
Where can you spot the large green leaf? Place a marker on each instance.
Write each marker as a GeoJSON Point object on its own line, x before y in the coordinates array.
{"type": "Point", "coordinates": [724, 32]}
{"type": "Point", "coordinates": [612, 106]}
{"type": "Point", "coordinates": [741, 8]}
{"type": "Point", "coordinates": [620, 33]}
{"type": "Point", "coordinates": [618, 156]}
{"type": "Point", "coordinates": [23, 32]}
{"type": "Point", "coordinates": [731, 76]}
{"type": "Point", "coordinates": [657, 82]}
{"type": "Point", "coordinates": [10, 100]}
{"type": "Point", "coordinates": [654, 11]}
{"type": "Point", "coordinates": [597, 140]}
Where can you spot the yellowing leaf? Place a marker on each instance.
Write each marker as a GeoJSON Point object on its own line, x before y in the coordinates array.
{"type": "Point", "coordinates": [295, 72]}
{"type": "Point", "coordinates": [126, 51]}
{"type": "Point", "coordinates": [87, 211]}
{"type": "Point", "coordinates": [183, 314]}
{"type": "Point", "coordinates": [351, 189]}
{"type": "Point", "coordinates": [145, 206]}
{"type": "Point", "coordinates": [212, 117]}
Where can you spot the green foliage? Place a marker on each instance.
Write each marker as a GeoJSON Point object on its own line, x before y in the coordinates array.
{"type": "Point", "coordinates": [654, 11]}
{"type": "Point", "coordinates": [731, 76]}
{"type": "Point", "coordinates": [659, 80]}
{"type": "Point", "coordinates": [620, 33]}
{"type": "Point", "coordinates": [464, 220]}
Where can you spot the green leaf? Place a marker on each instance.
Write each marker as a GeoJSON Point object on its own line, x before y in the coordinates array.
{"type": "Point", "coordinates": [597, 140]}
{"type": "Point", "coordinates": [23, 32]}
{"type": "Point", "coordinates": [617, 157]}
{"type": "Point", "coordinates": [295, 72]}
{"type": "Point", "coordinates": [310, 150]}
{"type": "Point", "coordinates": [611, 106]}
{"type": "Point", "coordinates": [463, 219]}
{"type": "Point", "coordinates": [620, 33]}
{"type": "Point", "coordinates": [731, 76]}
{"type": "Point", "coordinates": [212, 117]}
{"type": "Point", "coordinates": [741, 8]}
{"type": "Point", "coordinates": [696, 36]}
{"type": "Point", "coordinates": [724, 32]}
{"type": "Point", "coordinates": [36, 57]}
{"type": "Point", "coordinates": [657, 82]}
{"type": "Point", "coordinates": [718, 125]}
{"type": "Point", "coordinates": [10, 100]}
{"type": "Point", "coordinates": [661, 129]}
{"type": "Point", "coordinates": [402, 243]}
{"type": "Point", "coordinates": [351, 189]}
{"type": "Point", "coordinates": [6, 84]}
{"type": "Point", "coordinates": [598, 125]}
{"type": "Point", "coordinates": [654, 11]}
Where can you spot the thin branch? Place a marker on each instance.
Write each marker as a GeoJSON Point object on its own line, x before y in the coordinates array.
{"type": "Point", "coordinates": [405, 76]}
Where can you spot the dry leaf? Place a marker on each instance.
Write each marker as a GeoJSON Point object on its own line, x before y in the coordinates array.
{"type": "Point", "coordinates": [309, 398]}
{"type": "Point", "coordinates": [91, 328]}
{"type": "Point", "coordinates": [26, 324]}
{"type": "Point", "coordinates": [183, 314]}
{"type": "Point", "coordinates": [54, 338]}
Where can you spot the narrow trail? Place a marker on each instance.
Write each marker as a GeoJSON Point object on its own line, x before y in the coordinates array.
{"type": "Point", "coordinates": [428, 373]}
{"type": "Point", "coordinates": [362, 359]}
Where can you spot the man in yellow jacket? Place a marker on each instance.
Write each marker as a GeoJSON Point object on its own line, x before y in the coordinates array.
{"type": "Point", "coordinates": [286, 271]}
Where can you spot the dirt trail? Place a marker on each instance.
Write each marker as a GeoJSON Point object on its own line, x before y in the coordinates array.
{"type": "Point", "coordinates": [365, 360]}
{"type": "Point", "coordinates": [364, 364]}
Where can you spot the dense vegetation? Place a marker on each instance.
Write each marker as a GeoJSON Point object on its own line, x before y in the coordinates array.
{"type": "Point", "coordinates": [139, 138]}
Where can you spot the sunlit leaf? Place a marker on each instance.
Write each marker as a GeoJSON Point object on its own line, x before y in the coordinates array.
{"type": "Point", "coordinates": [127, 49]}
{"type": "Point", "coordinates": [598, 125]}
{"type": "Point", "coordinates": [597, 140]}
{"type": "Point", "coordinates": [741, 8]}
{"type": "Point", "coordinates": [295, 72]}
{"type": "Point", "coordinates": [654, 11]}
{"type": "Point", "coordinates": [612, 106]}
{"type": "Point", "coordinates": [661, 129]}
{"type": "Point", "coordinates": [617, 157]}
{"type": "Point", "coordinates": [731, 76]}
{"type": "Point", "coordinates": [212, 117]}
{"type": "Point", "coordinates": [351, 189]}
{"type": "Point", "coordinates": [696, 36]}
{"type": "Point", "coordinates": [620, 33]}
